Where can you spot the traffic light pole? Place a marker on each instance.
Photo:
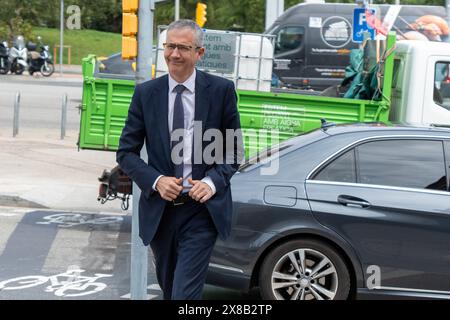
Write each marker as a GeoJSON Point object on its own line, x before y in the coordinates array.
{"type": "Point", "coordinates": [139, 252]}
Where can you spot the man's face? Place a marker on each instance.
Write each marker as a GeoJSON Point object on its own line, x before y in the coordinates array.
{"type": "Point", "coordinates": [181, 61]}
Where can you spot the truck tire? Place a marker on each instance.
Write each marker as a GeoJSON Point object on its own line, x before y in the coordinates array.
{"type": "Point", "coordinates": [304, 270]}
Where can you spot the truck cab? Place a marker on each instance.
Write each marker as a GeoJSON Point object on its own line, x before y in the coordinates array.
{"type": "Point", "coordinates": [421, 83]}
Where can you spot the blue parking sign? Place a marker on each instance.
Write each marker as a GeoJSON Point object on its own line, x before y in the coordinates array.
{"type": "Point", "coordinates": [360, 24]}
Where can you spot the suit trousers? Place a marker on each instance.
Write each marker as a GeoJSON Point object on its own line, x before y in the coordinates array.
{"type": "Point", "coordinates": [182, 247]}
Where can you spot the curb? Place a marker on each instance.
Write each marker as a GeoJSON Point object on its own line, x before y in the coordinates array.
{"type": "Point", "coordinates": [15, 201]}
{"type": "Point", "coordinates": [48, 83]}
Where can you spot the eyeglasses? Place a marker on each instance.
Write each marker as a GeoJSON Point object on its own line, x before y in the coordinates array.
{"type": "Point", "coordinates": [181, 47]}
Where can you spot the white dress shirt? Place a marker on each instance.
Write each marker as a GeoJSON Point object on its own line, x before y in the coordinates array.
{"type": "Point", "coordinates": [188, 99]}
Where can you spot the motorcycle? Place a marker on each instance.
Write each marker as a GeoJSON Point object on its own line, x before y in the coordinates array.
{"type": "Point", "coordinates": [4, 62]}
{"type": "Point", "coordinates": [18, 56]}
{"type": "Point", "coordinates": [40, 61]}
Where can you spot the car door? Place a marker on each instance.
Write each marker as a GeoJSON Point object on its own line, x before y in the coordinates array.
{"type": "Point", "coordinates": [389, 199]}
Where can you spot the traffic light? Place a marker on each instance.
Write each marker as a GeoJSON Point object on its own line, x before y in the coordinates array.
{"type": "Point", "coordinates": [129, 28]}
{"type": "Point", "coordinates": [200, 14]}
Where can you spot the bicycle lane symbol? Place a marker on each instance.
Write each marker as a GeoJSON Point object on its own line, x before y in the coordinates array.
{"type": "Point", "coordinates": [67, 220]}
{"type": "Point", "coordinates": [67, 284]}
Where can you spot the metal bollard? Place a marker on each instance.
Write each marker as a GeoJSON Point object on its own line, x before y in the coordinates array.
{"type": "Point", "coordinates": [63, 116]}
{"type": "Point", "coordinates": [16, 115]}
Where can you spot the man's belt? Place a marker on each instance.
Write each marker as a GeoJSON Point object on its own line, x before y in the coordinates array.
{"type": "Point", "coordinates": [181, 199]}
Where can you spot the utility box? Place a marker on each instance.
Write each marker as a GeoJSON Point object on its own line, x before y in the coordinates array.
{"type": "Point", "coordinates": [244, 58]}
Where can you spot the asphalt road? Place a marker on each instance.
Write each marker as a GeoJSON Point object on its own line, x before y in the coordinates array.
{"type": "Point", "coordinates": [54, 255]}
{"type": "Point", "coordinates": [61, 254]}
{"type": "Point", "coordinates": [40, 101]}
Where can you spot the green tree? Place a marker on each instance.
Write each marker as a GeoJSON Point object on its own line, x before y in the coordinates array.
{"type": "Point", "coordinates": [16, 17]}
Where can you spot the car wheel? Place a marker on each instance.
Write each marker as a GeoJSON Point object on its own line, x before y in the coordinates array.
{"type": "Point", "coordinates": [304, 270]}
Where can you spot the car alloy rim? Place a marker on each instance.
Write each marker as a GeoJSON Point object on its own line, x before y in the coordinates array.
{"type": "Point", "coordinates": [304, 274]}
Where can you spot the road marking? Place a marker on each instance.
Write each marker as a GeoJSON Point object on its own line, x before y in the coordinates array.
{"type": "Point", "coordinates": [67, 220]}
{"type": "Point", "coordinates": [67, 284]}
{"type": "Point", "coordinates": [153, 286]}
{"type": "Point", "coordinates": [7, 215]}
{"type": "Point", "coordinates": [149, 296]}
{"type": "Point", "coordinates": [72, 241]}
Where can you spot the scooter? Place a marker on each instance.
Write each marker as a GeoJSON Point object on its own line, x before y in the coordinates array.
{"type": "Point", "coordinates": [40, 61]}
{"type": "Point", "coordinates": [4, 62]}
{"type": "Point", "coordinates": [18, 56]}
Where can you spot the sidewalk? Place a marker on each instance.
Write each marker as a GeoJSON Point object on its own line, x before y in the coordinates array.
{"type": "Point", "coordinates": [69, 69]}
{"type": "Point", "coordinates": [39, 170]}
{"type": "Point", "coordinates": [71, 77]}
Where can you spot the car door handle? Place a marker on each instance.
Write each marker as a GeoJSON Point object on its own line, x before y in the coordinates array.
{"type": "Point", "coordinates": [350, 201]}
{"type": "Point", "coordinates": [297, 60]}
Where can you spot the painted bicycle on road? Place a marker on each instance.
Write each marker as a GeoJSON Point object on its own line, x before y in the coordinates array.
{"type": "Point", "coordinates": [67, 220]}
{"type": "Point", "coordinates": [67, 284]}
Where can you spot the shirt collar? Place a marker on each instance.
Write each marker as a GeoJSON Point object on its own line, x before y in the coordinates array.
{"type": "Point", "coordinates": [189, 83]}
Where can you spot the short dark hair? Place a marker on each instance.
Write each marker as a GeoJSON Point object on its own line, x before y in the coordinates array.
{"type": "Point", "coordinates": [187, 23]}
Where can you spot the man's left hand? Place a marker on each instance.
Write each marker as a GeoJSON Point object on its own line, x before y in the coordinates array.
{"type": "Point", "coordinates": [200, 191]}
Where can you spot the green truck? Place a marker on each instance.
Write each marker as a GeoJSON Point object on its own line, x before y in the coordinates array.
{"type": "Point", "coordinates": [413, 86]}
{"type": "Point", "coordinates": [106, 101]}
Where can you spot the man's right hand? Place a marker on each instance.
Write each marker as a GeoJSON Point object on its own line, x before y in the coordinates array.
{"type": "Point", "coordinates": [169, 187]}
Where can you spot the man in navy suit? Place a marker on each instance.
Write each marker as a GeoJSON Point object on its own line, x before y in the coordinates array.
{"type": "Point", "coordinates": [186, 198]}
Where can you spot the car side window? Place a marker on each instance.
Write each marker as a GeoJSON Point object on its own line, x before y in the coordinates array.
{"type": "Point", "coordinates": [289, 38]}
{"type": "Point", "coordinates": [342, 169]}
{"type": "Point", "coordinates": [402, 163]}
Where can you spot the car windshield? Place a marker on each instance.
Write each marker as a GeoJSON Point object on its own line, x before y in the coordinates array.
{"type": "Point", "coordinates": [295, 142]}
{"type": "Point", "coordinates": [263, 155]}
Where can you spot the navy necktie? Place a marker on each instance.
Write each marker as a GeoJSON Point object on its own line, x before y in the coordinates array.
{"type": "Point", "coordinates": [178, 123]}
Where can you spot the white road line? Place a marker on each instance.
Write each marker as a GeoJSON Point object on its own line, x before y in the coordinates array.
{"type": "Point", "coordinates": [149, 296]}
{"type": "Point", "coordinates": [67, 249]}
{"type": "Point", "coordinates": [154, 286]}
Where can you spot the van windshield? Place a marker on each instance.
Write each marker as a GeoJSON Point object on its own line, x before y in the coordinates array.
{"type": "Point", "coordinates": [289, 38]}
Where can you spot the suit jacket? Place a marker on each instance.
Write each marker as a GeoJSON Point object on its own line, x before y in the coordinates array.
{"type": "Point", "coordinates": [215, 107]}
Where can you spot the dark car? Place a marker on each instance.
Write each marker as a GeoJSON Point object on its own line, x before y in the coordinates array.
{"type": "Point", "coordinates": [352, 211]}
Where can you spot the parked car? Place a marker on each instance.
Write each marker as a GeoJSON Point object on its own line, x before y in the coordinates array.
{"type": "Point", "coordinates": [353, 210]}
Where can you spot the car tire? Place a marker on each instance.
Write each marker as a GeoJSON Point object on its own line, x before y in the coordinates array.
{"type": "Point", "coordinates": [280, 279]}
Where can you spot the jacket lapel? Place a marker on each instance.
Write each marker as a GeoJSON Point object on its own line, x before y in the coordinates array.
{"type": "Point", "coordinates": [162, 114]}
{"type": "Point", "coordinates": [202, 100]}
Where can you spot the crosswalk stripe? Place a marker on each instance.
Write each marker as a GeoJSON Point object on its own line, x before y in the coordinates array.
{"type": "Point", "coordinates": [70, 244]}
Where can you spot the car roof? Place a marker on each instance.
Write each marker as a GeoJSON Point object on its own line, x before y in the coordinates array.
{"type": "Point", "coordinates": [386, 129]}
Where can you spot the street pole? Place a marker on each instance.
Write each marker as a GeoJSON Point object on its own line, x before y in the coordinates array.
{"type": "Point", "coordinates": [139, 252]}
{"type": "Point", "coordinates": [16, 115]}
{"type": "Point", "coordinates": [274, 9]}
{"type": "Point", "coordinates": [177, 10]}
{"type": "Point", "coordinates": [447, 6]}
{"type": "Point", "coordinates": [63, 116]}
{"type": "Point", "coordinates": [61, 38]}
